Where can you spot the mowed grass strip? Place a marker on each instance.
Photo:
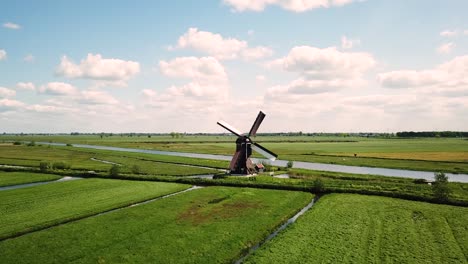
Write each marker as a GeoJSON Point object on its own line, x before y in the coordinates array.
{"type": "Point", "coordinates": [208, 225]}
{"type": "Point", "coordinates": [15, 178]}
{"type": "Point", "coordinates": [33, 208]}
{"type": "Point", "coordinates": [350, 228]}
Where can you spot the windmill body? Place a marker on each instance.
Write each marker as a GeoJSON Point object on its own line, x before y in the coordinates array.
{"type": "Point", "coordinates": [241, 163]}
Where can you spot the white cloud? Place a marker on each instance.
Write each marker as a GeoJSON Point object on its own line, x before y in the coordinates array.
{"type": "Point", "coordinates": [97, 98]}
{"type": "Point", "coordinates": [58, 88]}
{"type": "Point", "coordinates": [10, 25]}
{"type": "Point", "coordinates": [208, 79]}
{"type": "Point", "coordinates": [321, 71]}
{"type": "Point", "coordinates": [98, 68]}
{"type": "Point", "coordinates": [449, 33]}
{"type": "Point", "coordinates": [26, 86]}
{"type": "Point", "coordinates": [5, 92]}
{"type": "Point", "coordinates": [447, 79]}
{"type": "Point", "coordinates": [291, 5]}
{"type": "Point", "coordinates": [29, 58]}
{"type": "Point", "coordinates": [221, 48]}
{"type": "Point", "coordinates": [193, 68]}
{"type": "Point", "coordinates": [349, 43]}
{"type": "Point", "coordinates": [446, 48]}
{"type": "Point", "coordinates": [9, 104]}
{"type": "Point", "coordinates": [465, 32]}
{"type": "Point", "coordinates": [3, 54]}
{"type": "Point", "coordinates": [260, 78]}
{"type": "Point", "coordinates": [327, 63]}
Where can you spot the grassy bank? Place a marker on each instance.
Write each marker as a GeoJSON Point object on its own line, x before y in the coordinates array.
{"type": "Point", "coordinates": [15, 178]}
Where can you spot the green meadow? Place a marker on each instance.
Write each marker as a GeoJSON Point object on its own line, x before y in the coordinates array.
{"type": "Point", "coordinates": [208, 225]}
{"type": "Point", "coordinates": [347, 228]}
{"type": "Point", "coordinates": [33, 208]}
{"type": "Point", "coordinates": [429, 154]}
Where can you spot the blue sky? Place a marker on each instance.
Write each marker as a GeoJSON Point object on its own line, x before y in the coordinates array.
{"type": "Point", "coordinates": [313, 65]}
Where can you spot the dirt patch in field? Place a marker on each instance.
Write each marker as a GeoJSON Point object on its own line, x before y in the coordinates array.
{"type": "Point", "coordinates": [200, 213]}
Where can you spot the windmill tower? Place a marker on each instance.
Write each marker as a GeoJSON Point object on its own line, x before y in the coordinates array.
{"type": "Point", "coordinates": [241, 163]}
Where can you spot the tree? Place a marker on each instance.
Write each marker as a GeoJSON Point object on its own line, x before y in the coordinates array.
{"type": "Point", "coordinates": [440, 187]}
{"type": "Point", "coordinates": [290, 164]}
{"type": "Point", "coordinates": [114, 171]}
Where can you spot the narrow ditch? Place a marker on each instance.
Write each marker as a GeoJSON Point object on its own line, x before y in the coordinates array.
{"type": "Point", "coordinates": [278, 230]}
{"type": "Point", "coordinates": [19, 234]}
{"type": "Point", "coordinates": [106, 161]}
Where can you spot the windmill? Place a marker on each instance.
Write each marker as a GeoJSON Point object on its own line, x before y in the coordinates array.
{"type": "Point", "coordinates": [241, 163]}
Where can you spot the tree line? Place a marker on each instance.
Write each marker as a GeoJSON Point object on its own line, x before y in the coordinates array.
{"type": "Point", "coordinates": [444, 134]}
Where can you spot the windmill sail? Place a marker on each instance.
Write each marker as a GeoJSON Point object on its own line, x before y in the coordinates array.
{"type": "Point", "coordinates": [256, 124]}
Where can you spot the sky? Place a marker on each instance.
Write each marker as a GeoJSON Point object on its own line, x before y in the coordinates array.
{"type": "Point", "coordinates": [163, 66]}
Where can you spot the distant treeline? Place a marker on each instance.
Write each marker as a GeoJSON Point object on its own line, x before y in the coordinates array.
{"type": "Point", "coordinates": [445, 134]}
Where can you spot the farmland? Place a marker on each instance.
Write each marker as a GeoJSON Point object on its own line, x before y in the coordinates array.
{"type": "Point", "coordinates": [214, 223]}
{"type": "Point", "coordinates": [346, 228]}
{"type": "Point", "coordinates": [37, 207]}
{"type": "Point", "coordinates": [223, 220]}
{"type": "Point", "coordinates": [430, 154]}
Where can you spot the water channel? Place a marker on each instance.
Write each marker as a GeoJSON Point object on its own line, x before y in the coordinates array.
{"type": "Point", "coordinates": [297, 164]}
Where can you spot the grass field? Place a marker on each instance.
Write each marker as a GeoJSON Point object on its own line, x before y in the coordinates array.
{"type": "Point", "coordinates": [80, 159]}
{"type": "Point", "coordinates": [213, 224]}
{"type": "Point", "coordinates": [346, 228]}
{"type": "Point", "coordinates": [15, 178]}
{"type": "Point", "coordinates": [28, 209]}
{"type": "Point", "coordinates": [430, 154]}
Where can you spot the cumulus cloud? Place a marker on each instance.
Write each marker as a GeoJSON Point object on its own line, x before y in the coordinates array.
{"type": "Point", "coordinates": [291, 5]}
{"type": "Point", "coordinates": [221, 48]}
{"type": "Point", "coordinates": [97, 98]}
{"type": "Point", "coordinates": [97, 68]}
{"type": "Point", "coordinates": [3, 54]}
{"type": "Point", "coordinates": [449, 33]}
{"type": "Point", "coordinates": [446, 48]}
{"type": "Point", "coordinates": [9, 104]}
{"type": "Point", "coordinates": [58, 88]}
{"type": "Point", "coordinates": [207, 77]}
{"type": "Point", "coordinates": [10, 25]}
{"type": "Point", "coordinates": [349, 43]}
{"type": "Point", "coordinates": [5, 92]}
{"type": "Point", "coordinates": [26, 86]}
{"type": "Point", "coordinates": [193, 68]}
{"type": "Point", "coordinates": [327, 63]}
{"type": "Point", "coordinates": [321, 71]}
{"type": "Point", "coordinates": [445, 79]}
{"type": "Point", "coordinates": [260, 78]}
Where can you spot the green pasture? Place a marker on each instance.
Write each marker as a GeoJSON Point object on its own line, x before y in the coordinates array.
{"type": "Point", "coordinates": [28, 209]}
{"type": "Point", "coordinates": [15, 178]}
{"type": "Point", "coordinates": [429, 154]}
{"type": "Point", "coordinates": [82, 159]}
{"type": "Point", "coordinates": [347, 228]}
{"type": "Point", "coordinates": [208, 225]}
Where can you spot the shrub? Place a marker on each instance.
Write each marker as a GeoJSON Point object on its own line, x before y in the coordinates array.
{"type": "Point", "coordinates": [290, 164]}
{"type": "Point", "coordinates": [60, 165]}
{"type": "Point", "coordinates": [440, 187]}
{"type": "Point", "coordinates": [69, 145]}
{"type": "Point", "coordinates": [17, 143]}
{"type": "Point", "coordinates": [114, 171]}
{"type": "Point", "coordinates": [318, 186]}
{"type": "Point", "coordinates": [31, 144]}
{"type": "Point", "coordinates": [136, 169]}
{"type": "Point", "coordinates": [44, 166]}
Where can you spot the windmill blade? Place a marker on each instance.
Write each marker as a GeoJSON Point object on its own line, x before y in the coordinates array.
{"type": "Point", "coordinates": [265, 152]}
{"type": "Point", "coordinates": [256, 124]}
{"type": "Point", "coordinates": [230, 128]}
